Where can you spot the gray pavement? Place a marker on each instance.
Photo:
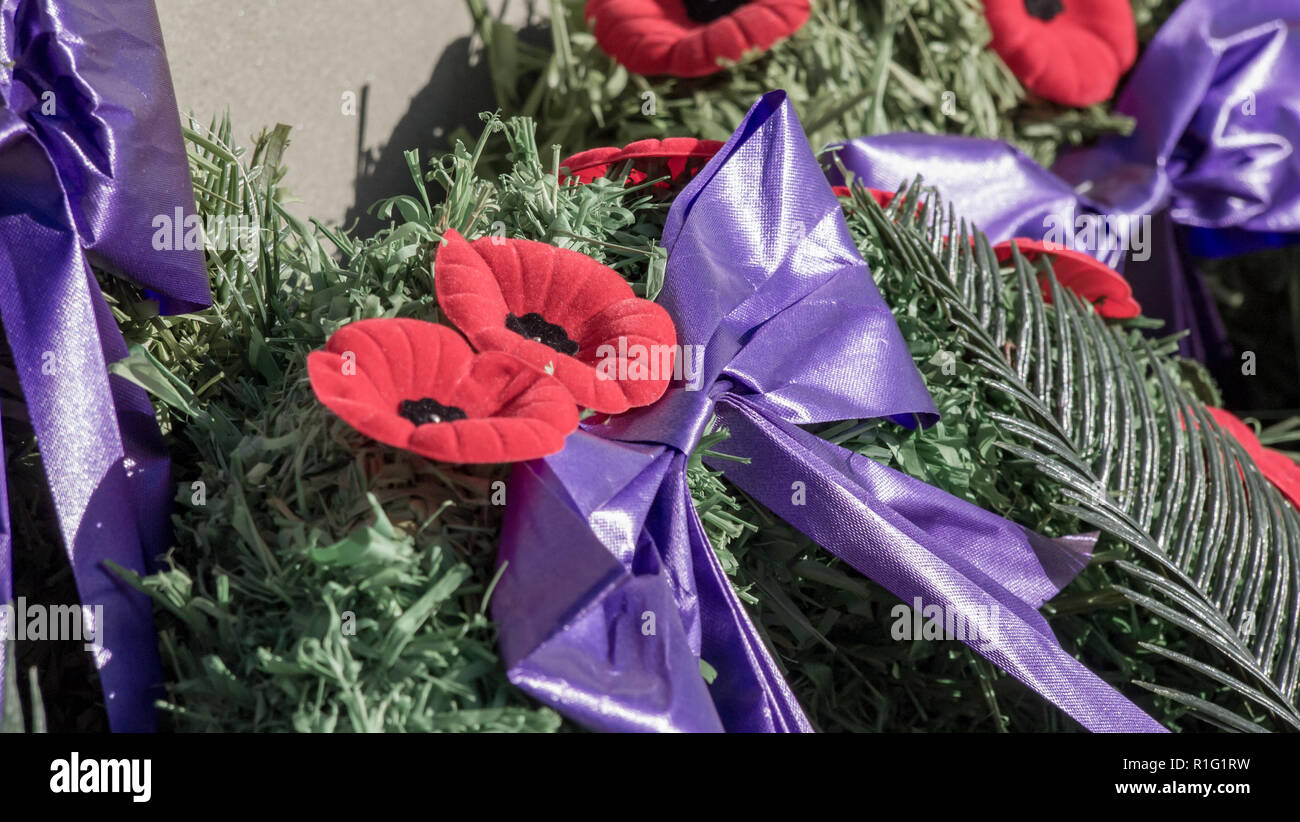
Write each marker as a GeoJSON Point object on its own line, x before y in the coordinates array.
{"type": "Point", "coordinates": [404, 63]}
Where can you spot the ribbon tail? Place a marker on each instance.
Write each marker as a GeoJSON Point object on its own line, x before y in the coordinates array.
{"type": "Point", "coordinates": [48, 310]}
{"type": "Point", "coordinates": [611, 595]}
{"type": "Point", "coordinates": [580, 631]}
{"type": "Point", "coordinates": [750, 690]}
{"type": "Point", "coordinates": [983, 572]}
{"type": "Point", "coordinates": [990, 183]}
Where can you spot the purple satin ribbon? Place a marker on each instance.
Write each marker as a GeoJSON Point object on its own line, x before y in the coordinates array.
{"type": "Point", "coordinates": [90, 154]}
{"type": "Point", "coordinates": [612, 595]}
{"type": "Point", "coordinates": [1212, 161]}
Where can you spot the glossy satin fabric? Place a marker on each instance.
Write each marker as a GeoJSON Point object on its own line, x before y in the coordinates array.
{"type": "Point", "coordinates": [611, 593]}
{"type": "Point", "coordinates": [1212, 160]}
{"type": "Point", "coordinates": [79, 184]}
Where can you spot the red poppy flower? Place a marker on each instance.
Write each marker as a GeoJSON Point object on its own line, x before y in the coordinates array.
{"type": "Point", "coordinates": [1276, 467]}
{"type": "Point", "coordinates": [1068, 51]}
{"type": "Point", "coordinates": [1086, 276]}
{"type": "Point", "coordinates": [679, 158]}
{"type": "Point", "coordinates": [562, 311]}
{"type": "Point", "coordinates": [690, 38]}
{"type": "Point", "coordinates": [418, 386]}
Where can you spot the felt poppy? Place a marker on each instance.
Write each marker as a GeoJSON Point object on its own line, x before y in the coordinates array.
{"type": "Point", "coordinates": [419, 386]}
{"type": "Point", "coordinates": [678, 158]}
{"type": "Point", "coordinates": [690, 38]}
{"type": "Point", "coordinates": [1276, 467]}
{"type": "Point", "coordinates": [1069, 51]}
{"type": "Point", "coordinates": [1086, 276]}
{"type": "Point", "coordinates": [561, 311]}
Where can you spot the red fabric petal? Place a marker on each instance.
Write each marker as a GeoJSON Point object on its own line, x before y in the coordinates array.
{"type": "Point", "coordinates": [1282, 471]}
{"type": "Point", "coordinates": [589, 165]}
{"type": "Point", "coordinates": [1076, 58]}
{"type": "Point", "coordinates": [882, 198]}
{"type": "Point", "coordinates": [1276, 467]}
{"type": "Point", "coordinates": [1086, 276]}
{"type": "Point", "coordinates": [669, 147]}
{"type": "Point", "coordinates": [479, 283]}
{"type": "Point", "coordinates": [683, 156]}
{"type": "Point", "coordinates": [657, 36]}
{"type": "Point", "coordinates": [514, 412]}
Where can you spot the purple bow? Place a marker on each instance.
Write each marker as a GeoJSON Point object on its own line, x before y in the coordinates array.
{"type": "Point", "coordinates": [1212, 168]}
{"type": "Point", "coordinates": [611, 594]}
{"type": "Point", "coordinates": [91, 165]}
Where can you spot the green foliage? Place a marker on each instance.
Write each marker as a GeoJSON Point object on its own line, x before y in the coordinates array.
{"type": "Point", "coordinates": [856, 67]}
{"type": "Point", "coordinates": [1212, 545]}
{"type": "Point", "coordinates": [322, 581]}
{"type": "Point", "coordinates": [1150, 15]}
{"type": "Point", "coordinates": [11, 720]}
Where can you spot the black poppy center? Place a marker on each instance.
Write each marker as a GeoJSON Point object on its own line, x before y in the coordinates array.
{"type": "Point", "coordinates": [427, 410]}
{"type": "Point", "coordinates": [706, 11]}
{"type": "Point", "coordinates": [1044, 9]}
{"type": "Point", "coordinates": [535, 327]}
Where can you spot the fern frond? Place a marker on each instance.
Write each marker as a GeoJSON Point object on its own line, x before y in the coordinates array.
{"type": "Point", "coordinates": [1102, 413]}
